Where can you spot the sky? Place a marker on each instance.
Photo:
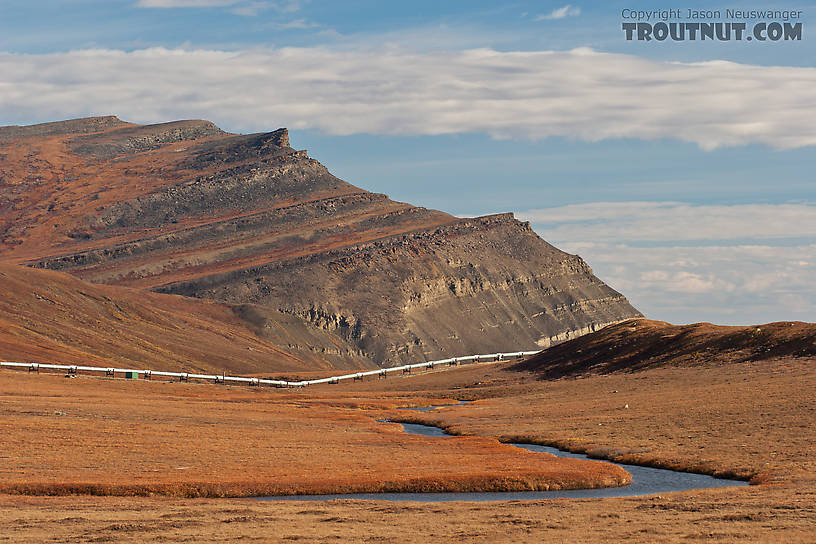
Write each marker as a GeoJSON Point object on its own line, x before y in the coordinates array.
{"type": "Point", "coordinates": [682, 172]}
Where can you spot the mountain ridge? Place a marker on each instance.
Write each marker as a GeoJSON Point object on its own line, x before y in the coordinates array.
{"type": "Point", "coordinates": [187, 208]}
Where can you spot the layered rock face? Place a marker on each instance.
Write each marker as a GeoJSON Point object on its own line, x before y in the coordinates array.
{"type": "Point", "coordinates": [314, 264]}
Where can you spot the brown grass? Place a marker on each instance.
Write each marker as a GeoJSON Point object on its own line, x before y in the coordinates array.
{"type": "Point", "coordinates": [751, 419]}
{"type": "Point", "coordinates": [757, 515]}
{"type": "Point", "coordinates": [50, 317]}
{"type": "Point", "coordinates": [640, 344]}
{"type": "Point", "coordinates": [740, 420]}
{"type": "Point", "coordinates": [97, 436]}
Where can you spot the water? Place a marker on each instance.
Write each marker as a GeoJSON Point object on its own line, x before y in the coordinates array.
{"type": "Point", "coordinates": [645, 481]}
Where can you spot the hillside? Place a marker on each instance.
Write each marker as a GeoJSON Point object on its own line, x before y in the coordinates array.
{"type": "Point", "coordinates": [186, 208]}
{"type": "Point", "coordinates": [640, 344]}
{"type": "Point", "coordinates": [50, 317]}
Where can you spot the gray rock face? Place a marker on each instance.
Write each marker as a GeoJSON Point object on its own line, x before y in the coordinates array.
{"type": "Point", "coordinates": [324, 268]}
{"type": "Point", "coordinates": [474, 286]}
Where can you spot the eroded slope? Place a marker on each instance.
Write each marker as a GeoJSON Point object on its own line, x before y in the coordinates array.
{"type": "Point", "coordinates": [187, 208]}
{"type": "Point", "coordinates": [50, 317]}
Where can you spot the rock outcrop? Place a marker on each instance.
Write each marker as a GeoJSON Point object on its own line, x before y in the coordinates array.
{"type": "Point", "coordinates": [185, 208]}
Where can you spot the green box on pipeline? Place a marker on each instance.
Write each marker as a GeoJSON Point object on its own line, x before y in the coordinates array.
{"type": "Point", "coordinates": [131, 375]}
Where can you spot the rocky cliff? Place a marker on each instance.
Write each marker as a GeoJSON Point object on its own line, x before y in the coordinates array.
{"type": "Point", "coordinates": [186, 208]}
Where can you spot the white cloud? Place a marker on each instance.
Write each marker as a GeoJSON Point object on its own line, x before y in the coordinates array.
{"type": "Point", "coordinates": [578, 94]}
{"type": "Point", "coordinates": [729, 284]}
{"type": "Point", "coordinates": [662, 221]}
{"type": "Point", "coordinates": [737, 264]}
{"type": "Point", "coordinates": [296, 24]}
{"type": "Point", "coordinates": [565, 11]}
{"type": "Point", "coordinates": [185, 3]}
{"type": "Point", "coordinates": [250, 9]}
{"type": "Point", "coordinates": [239, 7]}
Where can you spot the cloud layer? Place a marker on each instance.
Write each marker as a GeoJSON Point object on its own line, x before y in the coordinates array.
{"type": "Point", "coordinates": [185, 3]}
{"type": "Point", "coordinates": [727, 264]}
{"type": "Point", "coordinates": [240, 7]}
{"type": "Point", "coordinates": [577, 94]}
{"type": "Point", "coordinates": [560, 13]}
{"type": "Point", "coordinates": [675, 221]}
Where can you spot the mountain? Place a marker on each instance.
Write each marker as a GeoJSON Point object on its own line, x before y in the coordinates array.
{"type": "Point", "coordinates": [246, 220]}
{"type": "Point", "coordinates": [48, 316]}
{"type": "Point", "coordinates": [640, 344]}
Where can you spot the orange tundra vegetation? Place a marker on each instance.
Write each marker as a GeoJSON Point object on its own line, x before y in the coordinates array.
{"type": "Point", "coordinates": [727, 401]}
{"type": "Point", "coordinates": [51, 317]}
{"type": "Point", "coordinates": [716, 412]}
{"type": "Point", "coordinates": [102, 437]}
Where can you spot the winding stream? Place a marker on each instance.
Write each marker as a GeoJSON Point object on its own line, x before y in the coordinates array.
{"type": "Point", "coordinates": [645, 480]}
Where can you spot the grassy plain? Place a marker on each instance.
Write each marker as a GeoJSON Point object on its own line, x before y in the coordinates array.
{"type": "Point", "coordinates": [750, 419]}
{"type": "Point", "coordinates": [113, 437]}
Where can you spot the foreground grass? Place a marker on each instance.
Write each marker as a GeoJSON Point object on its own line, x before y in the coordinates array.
{"type": "Point", "coordinates": [112, 437]}
{"type": "Point", "coordinates": [749, 420]}
{"type": "Point", "coordinates": [750, 514]}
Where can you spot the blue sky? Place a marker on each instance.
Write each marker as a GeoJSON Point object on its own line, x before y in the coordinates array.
{"type": "Point", "coordinates": [685, 181]}
{"type": "Point", "coordinates": [55, 25]}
